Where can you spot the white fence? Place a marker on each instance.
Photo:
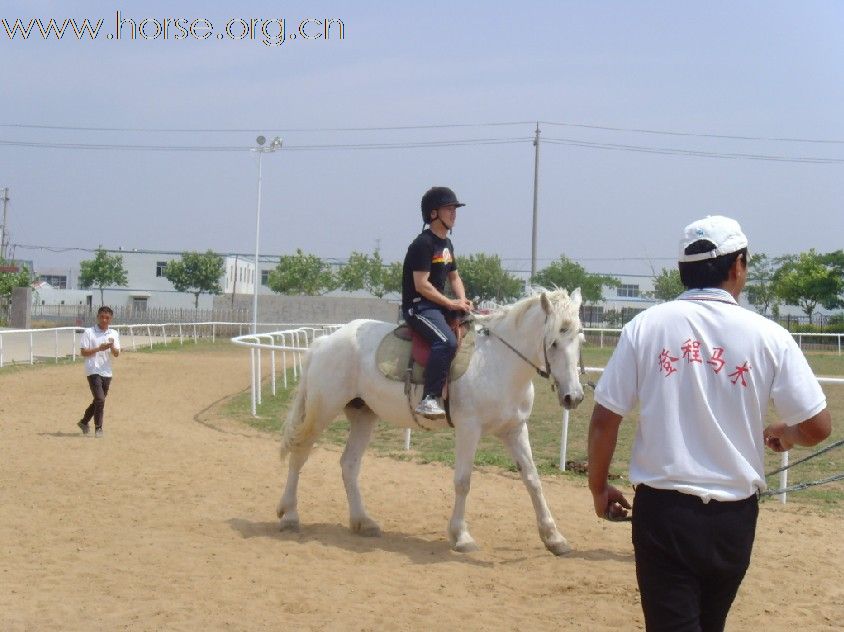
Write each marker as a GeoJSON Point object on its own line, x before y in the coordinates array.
{"type": "Point", "coordinates": [29, 346]}
{"type": "Point", "coordinates": [804, 340]}
{"type": "Point", "coordinates": [297, 341]}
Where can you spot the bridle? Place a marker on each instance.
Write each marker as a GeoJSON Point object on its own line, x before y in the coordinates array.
{"type": "Point", "coordinates": [543, 373]}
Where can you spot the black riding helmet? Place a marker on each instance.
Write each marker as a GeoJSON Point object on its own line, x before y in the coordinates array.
{"type": "Point", "coordinates": [437, 197]}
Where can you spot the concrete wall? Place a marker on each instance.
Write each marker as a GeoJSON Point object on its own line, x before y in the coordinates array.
{"type": "Point", "coordinates": [313, 309]}
{"type": "Point", "coordinates": [19, 315]}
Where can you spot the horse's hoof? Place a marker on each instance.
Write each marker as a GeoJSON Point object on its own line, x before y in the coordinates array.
{"type": "Point", "coordinates": [465, 547]}
{"type": "Point", "coordinates": [289, 524]}
{"type": "Point", "coordinates": [366, 528]}
{"type": "Point", "coordinates": [559, 548]}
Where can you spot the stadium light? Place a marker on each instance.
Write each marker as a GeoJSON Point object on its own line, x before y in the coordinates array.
{"type": "Point", "coordinates": [261, 150]}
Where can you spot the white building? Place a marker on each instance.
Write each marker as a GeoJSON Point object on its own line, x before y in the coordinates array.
{"type": "Point", "coordinates": [147, 286]}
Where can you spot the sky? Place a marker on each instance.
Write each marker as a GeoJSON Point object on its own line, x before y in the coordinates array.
{"type": "Point", "coordinates": [639, 106]}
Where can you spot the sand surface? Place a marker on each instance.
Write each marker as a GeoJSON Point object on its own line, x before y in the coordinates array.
{"type": "Point", "coordinates": [168, 523]}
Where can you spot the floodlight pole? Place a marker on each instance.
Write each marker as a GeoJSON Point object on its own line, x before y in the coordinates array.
{"type": "Point", "coordinates": [256, 278]}
{"type": "Point", "coordinates": [535, 203]}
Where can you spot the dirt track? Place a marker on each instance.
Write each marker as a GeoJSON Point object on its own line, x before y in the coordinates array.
{"type": "Point", "coordinates": [168, 523]}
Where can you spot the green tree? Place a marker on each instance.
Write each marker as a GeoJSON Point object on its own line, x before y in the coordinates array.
{"type": "Point", "coordinates": [808, 280]}
{"type": "Point", "coordinates": [760, 286]}
{"type": "Point", "coordinates": [568, 274]}
{"type": "Point", "coordinates": [392, 277]}
{"type": "Point", "coordinates": [197, 273]}
{"type": "Point", "coordinates": [104, 269]}
{"type": "Point", "coordinates": [364, 272]}
{"type": "Point", "coordinates": [667, 285]}
{"type": "Point", "coordinates": [11, 280]}
{"type": "Point", "coordinates": [302, 274]}
{"type": "Point", "coordinates": [485, 279]}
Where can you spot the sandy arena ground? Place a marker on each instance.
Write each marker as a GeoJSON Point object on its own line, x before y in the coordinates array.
{"type": "Point", "coordinates": [168, 523]}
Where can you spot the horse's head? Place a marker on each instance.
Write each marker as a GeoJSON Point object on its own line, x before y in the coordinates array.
{"type": "Point", "coordinates": [563, 336]}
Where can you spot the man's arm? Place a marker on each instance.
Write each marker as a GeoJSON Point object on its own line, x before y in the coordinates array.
{"type": "Point", "coordinates": [603, 435]}
{"type": "Point", "coordinates": [87, 353]}
{"type": "Point", "coordinates": [459, 290]}
{"type": "Point", "coordinates": [780, 437]}
{"type": "Point", "coordinates": [426, 289]}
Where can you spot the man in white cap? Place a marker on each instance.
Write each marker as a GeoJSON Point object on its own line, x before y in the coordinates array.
{"type": "Point", "coordinates": [703, 371]}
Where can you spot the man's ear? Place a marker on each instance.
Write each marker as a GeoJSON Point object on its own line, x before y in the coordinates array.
{"type": "Point", "coordinates": [434, 215]}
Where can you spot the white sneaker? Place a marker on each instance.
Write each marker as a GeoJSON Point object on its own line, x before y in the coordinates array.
{"type": "Point", "coordinates": [430, 408]}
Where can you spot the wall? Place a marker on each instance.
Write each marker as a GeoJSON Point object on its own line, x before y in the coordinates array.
{"type": "Point", "coordinates": [313, 309]}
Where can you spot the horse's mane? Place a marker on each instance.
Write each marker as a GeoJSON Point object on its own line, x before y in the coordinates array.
{"type": "Point", "coordinates": [565, 310]}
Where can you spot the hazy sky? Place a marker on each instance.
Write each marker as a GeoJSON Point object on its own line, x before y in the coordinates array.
{"type": "Point", "coordinates": [761, 70]}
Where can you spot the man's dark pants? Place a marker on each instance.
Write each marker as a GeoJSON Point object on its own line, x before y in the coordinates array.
{"type": "Point", "coordinates": [691, 557]}
{"type": "Point", "coordinates": [429, 320]}
{"type": "Point", "coordinates": [99, 389]}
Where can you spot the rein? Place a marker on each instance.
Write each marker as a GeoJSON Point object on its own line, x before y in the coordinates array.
{"type": "Point", "coordinates": [545, 373]}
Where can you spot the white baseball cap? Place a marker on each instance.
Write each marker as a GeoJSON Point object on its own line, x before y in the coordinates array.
{"type": "Point", "coordinates": [723, 232]}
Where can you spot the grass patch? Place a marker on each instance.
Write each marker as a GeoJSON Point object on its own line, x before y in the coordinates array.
{"type": "Point", "coordinates": [545, 429]}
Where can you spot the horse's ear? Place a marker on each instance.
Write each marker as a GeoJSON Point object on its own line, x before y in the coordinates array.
{"type": "Point", "coordinates": [546, 304]}
{"type": "Point", "coordinates": [576, 297]}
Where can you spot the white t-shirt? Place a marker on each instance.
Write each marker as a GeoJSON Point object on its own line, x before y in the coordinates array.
{"type": "Point", "coordinates": [703, 370]}
{"type": "Point", "coordinates": [100, 362]}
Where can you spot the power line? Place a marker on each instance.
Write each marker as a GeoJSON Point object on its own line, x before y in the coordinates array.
{"type": "Point", "coordinates": [269, 130]}
{"type": "Point", "coordinates": [375, 128]}
{"type": "Point", "coordinates": [783, 139]}
{"type": "Point", "coordinates": [692, 152]}
{"type": "Point", "coordinates": [465, 142]}
{"type": "Point", "coordinates": [324, 147]}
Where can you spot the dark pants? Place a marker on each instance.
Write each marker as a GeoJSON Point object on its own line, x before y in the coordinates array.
{"type": "Point", "coordinates": [99, 389]}
{"type": "Point", "coordinates": [690, 557]}
{"type": "Point", "coordinates": [430, 321]}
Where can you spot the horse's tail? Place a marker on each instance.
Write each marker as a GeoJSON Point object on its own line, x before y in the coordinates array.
{"type": "Point", "coordinates": [295, 428]}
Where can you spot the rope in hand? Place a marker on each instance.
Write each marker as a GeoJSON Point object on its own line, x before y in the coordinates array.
{"type": "Point", "coordinates": [806, 458]}
{"type": "Point", "coordinates": [801, 486]}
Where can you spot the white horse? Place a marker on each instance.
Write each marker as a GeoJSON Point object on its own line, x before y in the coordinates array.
{"type": "Point", "coordinates": [494, 396]}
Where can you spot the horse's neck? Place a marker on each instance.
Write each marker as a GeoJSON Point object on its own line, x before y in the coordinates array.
{"type": "Point", "coordinates": [526, 334]}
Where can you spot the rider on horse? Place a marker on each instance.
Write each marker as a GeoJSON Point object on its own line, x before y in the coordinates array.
{"type": "Point", "coordinates": [427, 265]}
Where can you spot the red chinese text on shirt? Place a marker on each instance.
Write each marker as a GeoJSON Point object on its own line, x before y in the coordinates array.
{"type": "Point", "coordinates": [691, 351]}
{"type": "Point", "coordinates": [738, 374]}
{"type": "Point", "coordinates": [716, 360]}
{"type": "Point", "coordinates": [666, 362]}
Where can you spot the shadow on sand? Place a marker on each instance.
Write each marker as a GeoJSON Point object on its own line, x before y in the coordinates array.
{"type": "Point", "coordinates": [417, 550]}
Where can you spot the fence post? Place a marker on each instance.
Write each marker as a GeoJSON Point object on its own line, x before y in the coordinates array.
{"type": "Point", "coordinates": [564, 440]}
{"type": "Point", "coordinates": [213, 333]}
{"type": "Point", "coordinates": [57, 345]}
{"type": "Point", "coordinates": [783, 476]}
{"type": "Point", "coordinates": [149, 337]}
{"type": "Point", "coordinates": [252, 381]}
{"type": "Point", "coordinates": [31, 350]}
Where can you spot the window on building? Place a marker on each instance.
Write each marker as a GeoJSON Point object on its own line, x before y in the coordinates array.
{"type": "Point", "coordinates": [56, 280]}
{"type": "Point", "coordinates": [627, 313]}
{"type": "Point", "coordinates": [265, 277]}
{"type": "Point", "coordinates": [159, 268]}
{"type": "Point", "coordinates": [628, 291]}
{"type": "Point", "coordinates": [592, 314]}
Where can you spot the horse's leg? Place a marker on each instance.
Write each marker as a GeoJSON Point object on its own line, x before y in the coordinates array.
{"type": "Point", "coordinates": [287, 507]}
{"type": "Point", "coordinates": [361, 422]}
{"type": "Point", "coordinates": [317, 414]}
{"type": "Point", "coordinates": [518, 444]}
{"type": "Point", "coordinates": [466, 437]}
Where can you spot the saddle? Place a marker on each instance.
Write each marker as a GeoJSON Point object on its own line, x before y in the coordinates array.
{"type": "Point", "coordinates": [403, 353]}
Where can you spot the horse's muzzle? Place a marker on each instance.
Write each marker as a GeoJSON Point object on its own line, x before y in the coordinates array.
{"type": "Point", "coordinates": [571, 401]}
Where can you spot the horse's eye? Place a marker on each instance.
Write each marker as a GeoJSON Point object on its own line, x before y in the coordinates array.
{"type": "Point", "coordinates": [554, 344]}
{"type": "Point", "coordinates": [563, 330]}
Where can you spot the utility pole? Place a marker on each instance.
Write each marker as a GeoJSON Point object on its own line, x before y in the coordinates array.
{"type": "Point", "coordinates": [4, 232]}
{"type": "Point", "coordinates": [535, 202]}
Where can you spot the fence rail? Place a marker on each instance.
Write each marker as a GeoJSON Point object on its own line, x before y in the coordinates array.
{"type": "Point", "coordinates": [82, 315]}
